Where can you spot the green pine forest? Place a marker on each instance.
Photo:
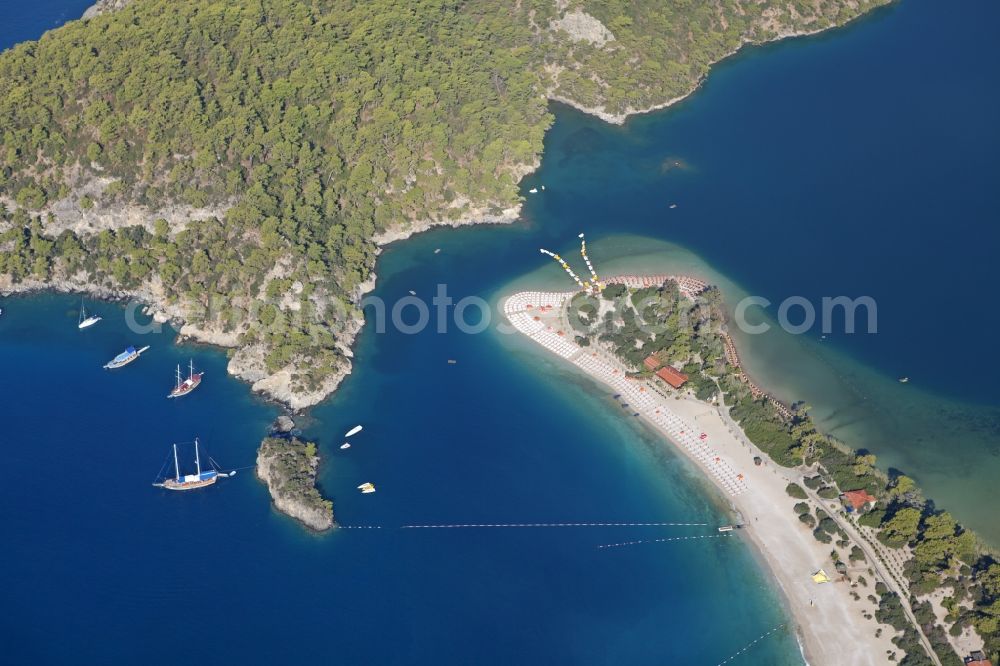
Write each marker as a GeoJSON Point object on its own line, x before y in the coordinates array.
{"type": "Point", "coordinates": [313, 127]}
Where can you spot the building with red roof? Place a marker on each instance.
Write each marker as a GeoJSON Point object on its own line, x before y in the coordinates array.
{"type": "Point", "coordinates": [858, 500]}
{"type": "Point", "coordinates": [673, 377]}
{"type": "Point", "coordinates": [651, 363]}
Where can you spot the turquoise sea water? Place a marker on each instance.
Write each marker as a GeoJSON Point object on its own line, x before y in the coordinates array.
{"type": "Point", "coordinates": [788, 153]}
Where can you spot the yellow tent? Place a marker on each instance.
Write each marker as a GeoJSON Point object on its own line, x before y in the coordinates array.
{"type": "Point", "coordinates": [820, 577]}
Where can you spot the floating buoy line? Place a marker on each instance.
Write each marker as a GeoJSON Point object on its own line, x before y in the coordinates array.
{"type": "Point", "coordinates": [620, 544]}
{"type": "Point", "coordinates": [594, 286]}
{"type": "Point", "coordinates": [590, 267]}
{"type": "Point", "coordinates": [533, 525]}
{"type": "Point", "coordinates": [481, 525]}
{"type": "Point", "coordinates": [750, 645]}
{"type": "Point", "coordinates": [683, 538]}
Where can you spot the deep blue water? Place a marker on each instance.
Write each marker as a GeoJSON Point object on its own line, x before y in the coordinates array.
{"type": "Point", "coordinates": [122, 571]}
{"type": "Point", "coordinates": [855, 163]}
{"type": "Point", "coordinates": [23, 21]}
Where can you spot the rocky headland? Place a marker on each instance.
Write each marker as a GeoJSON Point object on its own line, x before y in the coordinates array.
{"type": "Point", "coordinates": [288, 466]}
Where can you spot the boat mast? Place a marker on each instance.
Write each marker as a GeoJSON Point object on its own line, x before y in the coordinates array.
{"type": "Point", "coordinates": [197, 458]}
{"type": "Point", "coordinates": [191, 372]}
{"type": "Point", "coordinates": [177, 388]}
{"type": "Point", "coordinates": [177, 468]}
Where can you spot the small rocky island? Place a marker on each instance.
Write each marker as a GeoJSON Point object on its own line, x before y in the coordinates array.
{"type": "Point", "coordinates": [288, 466]}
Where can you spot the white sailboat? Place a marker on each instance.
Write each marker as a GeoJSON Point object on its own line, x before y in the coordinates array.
{"type": "Point", "coordinates": [199, 479]}
{"type": "Point", "coordinates": [85, 321]}
{"type": "Point", "coordinates": [353, 431]}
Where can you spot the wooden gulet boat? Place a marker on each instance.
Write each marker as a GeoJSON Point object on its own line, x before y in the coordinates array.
{"type": "Point", "coordinates": [182, 388]}
{"type": "Point", "coordinates": [199, 479]}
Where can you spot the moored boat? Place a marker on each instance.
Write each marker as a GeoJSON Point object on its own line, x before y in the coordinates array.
{"type": "Point", "coordinates": [199, 479]}
{"type": "Point", "coordinates": [126, 357]}
{"type": "Point", "coordinates": [85, 321]}
{"type": "Point", "coordinates": [182, 388]}
{"type": "Point", "coordinates": [353, 431]}
{"type": "Point", "coordinates": [367, 488]}
{"type": "Point", "coordinates": [345, 445]}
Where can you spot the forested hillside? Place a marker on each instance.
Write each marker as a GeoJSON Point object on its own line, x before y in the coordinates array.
{"type": "Point", "coordinates": [233, 162]}
{"type": "Point", "coordinates": [661, 48]}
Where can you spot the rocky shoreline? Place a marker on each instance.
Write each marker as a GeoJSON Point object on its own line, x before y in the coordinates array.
{"type": "Point", "coordinates": [621, 118]}
{"type": "Point", "coordinates": [505, 216]}
{"type": "Point", "coordinates": [103, 7]}
{"type": "Point", "coordinates": [288, 467]}
{"type": "Point", "coordinates": [248, 361]}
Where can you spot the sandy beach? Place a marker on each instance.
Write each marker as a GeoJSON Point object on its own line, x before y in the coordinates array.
{"type": "Point", "coordinates": [830, 624]}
